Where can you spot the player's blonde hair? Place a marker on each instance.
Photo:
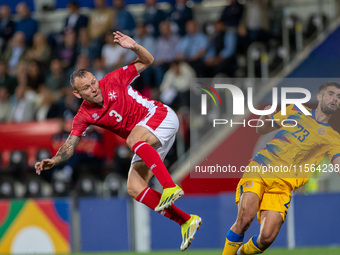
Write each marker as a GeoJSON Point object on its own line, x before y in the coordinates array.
{"type": "Point", "coordinates": [81, 73]}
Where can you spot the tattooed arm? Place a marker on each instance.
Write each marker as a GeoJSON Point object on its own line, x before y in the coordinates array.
{"type": "Point", "coordinates": [64, 153]}
{"type": "Point", "coordinates": [144, 58]}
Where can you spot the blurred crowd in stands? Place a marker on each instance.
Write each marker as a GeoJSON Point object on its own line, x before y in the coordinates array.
{"type": "Point", "coordinates": [35, 67]}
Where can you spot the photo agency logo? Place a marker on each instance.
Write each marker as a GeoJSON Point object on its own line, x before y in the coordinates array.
{"type": "Point", "coordinates": [238, 104]}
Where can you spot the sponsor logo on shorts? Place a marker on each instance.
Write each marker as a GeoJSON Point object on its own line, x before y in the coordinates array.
{"type": "Point", "coordinates": [248, 184]}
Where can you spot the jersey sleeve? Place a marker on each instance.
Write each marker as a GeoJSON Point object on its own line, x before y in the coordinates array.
{"type": "Point", "coordinates": [123, 76]}
{"type": "Point", "coordinates": [79, 125]}
{"type": "Point", "coordinates": [334, 150]}
{"type": "Point", "coordinates": [278, 117]}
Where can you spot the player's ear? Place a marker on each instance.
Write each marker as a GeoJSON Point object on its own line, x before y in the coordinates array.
{"type": "Point", "coordinates": [76, 93]}
{"type": "Point", "coordinates": [319, 97]}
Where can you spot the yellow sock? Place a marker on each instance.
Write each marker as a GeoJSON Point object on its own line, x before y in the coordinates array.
{"type": "Point", "coordinates": [251, 247]}
{"type": "Point", "coordinates": [232, 243]}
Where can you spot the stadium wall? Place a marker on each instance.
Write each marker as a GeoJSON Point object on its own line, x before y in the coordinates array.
{"type": "Point", "coordinates": [110, 220]}
{"type": "Point", "coordinates": [107, 224]}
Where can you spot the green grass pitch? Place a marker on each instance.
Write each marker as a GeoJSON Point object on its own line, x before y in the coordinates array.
{"type": "Point", "coordinates": [299, 251]}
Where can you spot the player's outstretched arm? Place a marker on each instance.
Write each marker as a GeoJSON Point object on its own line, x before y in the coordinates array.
{"type": "Point", "coordinates": [64, 153]}
{"type": "Point", "coordinates": [267, 126]}
{"type": "Point", "coordinates": [144, 58]}
{"type": "Point", "coordinates": [336, 164]}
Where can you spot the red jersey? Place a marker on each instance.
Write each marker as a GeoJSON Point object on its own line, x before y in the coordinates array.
{"type": "Point", "coordinates": [123, 107]}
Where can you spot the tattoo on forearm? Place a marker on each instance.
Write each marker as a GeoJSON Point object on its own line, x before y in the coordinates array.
{"type": "Point", "coordinates": [136, 48]}
{"type": "Point", "coordinates": [66, 151]}
{"type": "Point", "coordinates": [141, 70]}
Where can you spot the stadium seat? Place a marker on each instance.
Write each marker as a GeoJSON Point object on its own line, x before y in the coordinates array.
{"type": "Point", "coordinates": [86, 186]}
{"type": "Point", "coordinates": [18, 161]}
{"type": "Point", "coordinates": [112, 185]}
{"type": "Point", "coordinates": [312, 25]}
{"type": "Point", "coordinates": [42, 154]}
{"type": "Point", "coordinates": [7, 187]}
{"type": "Point", "coordinates": [33, 186]}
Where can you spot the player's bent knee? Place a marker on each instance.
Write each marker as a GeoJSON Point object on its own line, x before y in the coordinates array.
{"type": "Point", "coordinates": [132, 188]}
{"type": "Point", "coordinates": [266, 238]}
{"type": "Point", "coordinates": [133, 192]}
{"type": "Point", "coordinates": [131, 141]}
{"type": "Point", "coordinates": [245, 221]}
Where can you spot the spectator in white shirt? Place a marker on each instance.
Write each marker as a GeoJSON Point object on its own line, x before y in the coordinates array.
{"type": "Point", "coordinates": [112, 53]}
{"type": "Point", "coordinates": [175, 88]}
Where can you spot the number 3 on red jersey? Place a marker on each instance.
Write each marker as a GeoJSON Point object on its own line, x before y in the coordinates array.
{"type": "Point", "coordinates": [116, 114]}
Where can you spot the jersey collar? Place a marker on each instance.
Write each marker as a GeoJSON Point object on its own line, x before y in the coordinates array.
{"type": "Point", "coordinates": [319, 122]}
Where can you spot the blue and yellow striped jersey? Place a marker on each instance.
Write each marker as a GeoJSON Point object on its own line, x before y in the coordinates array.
{"type": "Point", "coordinates": [299, 148]}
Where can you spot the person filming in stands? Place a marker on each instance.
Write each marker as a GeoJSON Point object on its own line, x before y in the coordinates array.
{"type": "Point", "coordinates": [148, 126]}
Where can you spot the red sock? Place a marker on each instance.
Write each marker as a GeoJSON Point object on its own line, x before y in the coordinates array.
{"type": "Point", "coordinates": [151, 198]}
{"type": "Point", "coordinates": [151, 158]}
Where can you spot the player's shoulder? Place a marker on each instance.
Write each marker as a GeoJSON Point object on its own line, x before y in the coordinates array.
{"type": "Point", "coordinates": [294, 107]}
{"type": "Point", "coordinates": [83, 113]}
{"type": "Point", "coordinates": [334, 135]}
{"type": "Point", "coordinates": [115, 74]}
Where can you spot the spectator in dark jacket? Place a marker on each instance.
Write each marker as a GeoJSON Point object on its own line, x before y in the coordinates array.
{"type": "Point", "coordinates": [6, 26]}
{"type": "Point", "coordinates": [153, 17]}
{"type": "Point", "coordinates": [124, 20]}
{"type": "Point", "coordinates": [7, 81]}
{"type": "Point", "coordinates": [179, 15]}
{"type": "Point", "coordinates": [75, 20]}
{"type": "Point", "coordinates": [232, 14]}
{"type": "Point", "coordinates": [220, 57]}
{"type": "Point", "coordinates": [25, 23]}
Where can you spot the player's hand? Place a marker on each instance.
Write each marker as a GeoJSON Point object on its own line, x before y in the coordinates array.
{"type": "Point", "coordinates": [123, 40]}
{"type": "Point", "coordinates": [270, 115]}
{"type": "Point", "coordinates": [44, 165]}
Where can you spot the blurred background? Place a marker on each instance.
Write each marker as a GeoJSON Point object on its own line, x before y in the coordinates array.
{"type": "Point", "coordinates": [83, 205]}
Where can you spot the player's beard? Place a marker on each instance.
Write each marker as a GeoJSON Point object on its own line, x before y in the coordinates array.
{"type": "Point", "coordinates": [326, 110]}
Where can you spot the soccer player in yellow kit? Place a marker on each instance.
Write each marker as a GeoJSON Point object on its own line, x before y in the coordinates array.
{"type": "Point", "coordinates": [300, 145]}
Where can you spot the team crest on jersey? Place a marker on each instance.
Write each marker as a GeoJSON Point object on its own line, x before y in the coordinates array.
{"type": "Point", "coordinates": [112, 95]}
{"type": "Point", "coordinates": [248, 184]}
{"type": "Point", "coordinates": [95, 116]}
{"type": "Point", "coordinates": [321, 131]}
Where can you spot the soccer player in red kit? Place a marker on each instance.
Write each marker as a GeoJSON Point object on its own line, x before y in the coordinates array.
{"type": "Point", "coordinates": [148, 126]}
